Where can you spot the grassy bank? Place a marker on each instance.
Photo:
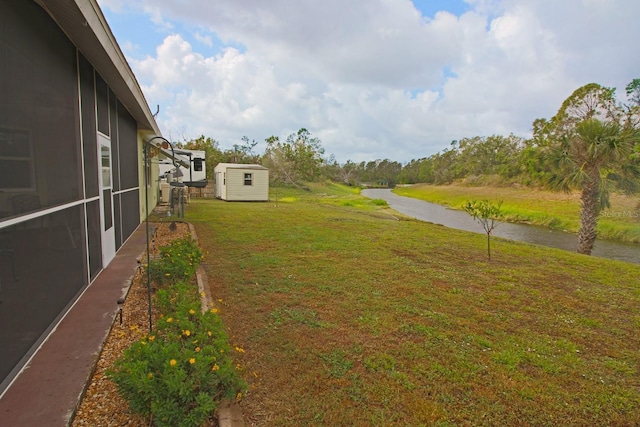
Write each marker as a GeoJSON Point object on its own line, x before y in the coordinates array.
{"type": "Point", "coordinates": [560, 211]}
{"type": "Point", "coordinates": [350, 317]}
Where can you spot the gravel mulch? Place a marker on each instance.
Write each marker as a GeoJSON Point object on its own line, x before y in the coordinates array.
{"type": "Point", "coordinates": [102, 405]}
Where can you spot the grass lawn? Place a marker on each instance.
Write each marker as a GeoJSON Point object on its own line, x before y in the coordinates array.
{"type": "Point", "coordinates": [346, 316]}
{"type": "Point", "coordinates": [552, 209]}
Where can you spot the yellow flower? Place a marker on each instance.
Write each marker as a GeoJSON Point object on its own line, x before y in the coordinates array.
{"type": "Point", "coordinates": [197, 349]}
{"type": "Point", "coordinates": [192, 311]}
{"type": "Point", "coordinates": [239, 350]}
{"type": "Point", "coordinates": [238, 367]}
{"type": "Point", "coordinates": [239, 396]}
{"type": "Point", "coordinates": [214, 310]}
{"type": "Point", "coordinates": [152, 337]}
{"type": "Point", "coordinates": [149, 375]}
{"type": "Point", "coordinates": [192, 360]}
{"type": "Point", "coordinates": [169, 319]}
{"type": "Point", "coordinates": [209, 333]}
{"type": "Point", "coordinates": [172, 362]}
{"type": "Point", "coordinates": [215, 367]}
{"type": "Point", "coordinates": [143, 342]}
{"type": "Point", "coordinates": [186, 332]}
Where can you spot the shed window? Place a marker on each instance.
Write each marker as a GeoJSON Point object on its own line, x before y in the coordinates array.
{"type": "Point", "coordinates": [248, 179]}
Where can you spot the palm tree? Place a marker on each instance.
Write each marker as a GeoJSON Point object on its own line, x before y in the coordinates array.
{"type": "Point", "coordinates": [594, 158]}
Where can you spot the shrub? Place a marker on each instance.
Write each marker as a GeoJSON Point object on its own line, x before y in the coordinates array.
{"type": "Point", "coordinates": [178, 261]}
{"type": "Point", "coordinates": [178, 375]}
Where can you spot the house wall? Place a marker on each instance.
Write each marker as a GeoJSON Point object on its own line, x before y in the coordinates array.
{"type": "Point", "coordinates": [150, 194]}
{"type": "Point", "coordinates": [53, 107]}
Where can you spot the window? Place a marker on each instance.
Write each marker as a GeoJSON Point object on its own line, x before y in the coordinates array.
{"type": "Point", "coordinates": [102, 104]}
{"type": "Point", "coordinates": [105, 153]}
{"type": "Point", "coordinates": [197, 164]}
{"type": "Point", "coordinates": [248, 179]}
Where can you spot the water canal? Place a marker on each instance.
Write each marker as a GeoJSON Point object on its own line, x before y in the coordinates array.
{"type": "Point", "coordinates": [439, 214]}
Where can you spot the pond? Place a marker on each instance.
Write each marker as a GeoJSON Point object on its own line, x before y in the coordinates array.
{"type": "Point", "coordinates": [451, 218]}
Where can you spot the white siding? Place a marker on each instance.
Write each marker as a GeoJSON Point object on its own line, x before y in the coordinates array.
{"type": "Point", "coordinates": [230, 182]}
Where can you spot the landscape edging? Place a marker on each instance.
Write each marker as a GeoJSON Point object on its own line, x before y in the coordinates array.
{"type": "Point", "coordinates": [229, 413]}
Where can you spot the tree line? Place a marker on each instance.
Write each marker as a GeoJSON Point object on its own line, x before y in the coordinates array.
{"type": "Point", "coordinates": [592, 145]}
{"type": "Point", "coordinates": [494, 159]}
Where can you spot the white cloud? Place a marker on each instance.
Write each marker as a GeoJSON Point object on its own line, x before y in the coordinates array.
{"type": "Point", "coordinates": [375, 79]}
{"type": "Point", "coordinates": [204, 39]}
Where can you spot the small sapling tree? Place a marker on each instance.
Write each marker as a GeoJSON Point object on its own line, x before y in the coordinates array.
{"type": "Point", "coordinates": [487, 214]}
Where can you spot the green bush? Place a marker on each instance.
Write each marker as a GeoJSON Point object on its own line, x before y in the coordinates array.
{"type": "Point", "coordinates": [178, 375]}
{"type": "Point", "coordinates": [178, 261]}
{"type": "Point", "coordinates": [175, 298]}
{"type": "Point", "coordinates": [379, 202]}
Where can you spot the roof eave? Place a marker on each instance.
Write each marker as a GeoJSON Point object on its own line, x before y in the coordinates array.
{"type": "Point", "coordinates": [86, 26]}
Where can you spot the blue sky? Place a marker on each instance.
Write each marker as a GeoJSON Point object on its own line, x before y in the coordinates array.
{"type": "Point", "coordinates": [429, 8]}
{"type": "Point", "coordinates": [373, 79]}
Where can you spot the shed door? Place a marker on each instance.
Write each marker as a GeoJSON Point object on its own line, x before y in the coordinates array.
{"type": "Point", "coordinates": [221, 185]}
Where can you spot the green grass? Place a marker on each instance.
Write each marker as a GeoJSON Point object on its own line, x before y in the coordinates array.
{"type": "Point", "coordinates": [559, 211]}
{"type": "Point", "coordinates": [351, 317]}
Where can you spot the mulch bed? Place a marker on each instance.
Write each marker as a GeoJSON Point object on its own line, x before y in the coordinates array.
{"type": "Point", "coordinates": [102, 405]}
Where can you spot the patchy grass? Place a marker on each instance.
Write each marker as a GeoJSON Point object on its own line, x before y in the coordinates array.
{"type": "Point", "coordinates": [555, 210]}
{"type": "Point", "coordinates": [348, 316]}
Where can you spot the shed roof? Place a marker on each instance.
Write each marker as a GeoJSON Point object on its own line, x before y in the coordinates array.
{"type": "Point", "coordinates": [240, 166]}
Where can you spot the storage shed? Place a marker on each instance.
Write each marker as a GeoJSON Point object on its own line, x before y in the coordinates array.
{"type": "Point", "coordinates": [241, 182]}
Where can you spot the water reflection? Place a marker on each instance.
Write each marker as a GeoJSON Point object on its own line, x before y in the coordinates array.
{"type": "Point", "coordinates": [438, 214]}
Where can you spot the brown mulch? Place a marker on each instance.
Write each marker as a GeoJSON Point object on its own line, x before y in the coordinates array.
{"type": "Point", "coordinates": [102, 405]}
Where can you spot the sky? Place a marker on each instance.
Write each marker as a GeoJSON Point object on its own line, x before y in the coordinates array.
{"type": "Point", "coordinates": [372, 79]}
